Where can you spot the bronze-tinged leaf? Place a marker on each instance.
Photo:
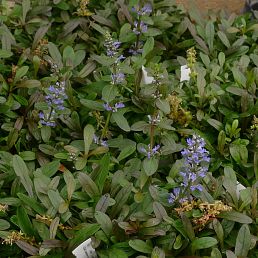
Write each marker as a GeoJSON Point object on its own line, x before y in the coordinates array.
{"type": "Point", "coordinates": [53, 243]}
{"type": "Point", "coordinates": [102, 20]}
{"type": "Point", "coordinates": [53, 227]}
{"type": "Point", "coordinates": [32, 250]}
{"type": "Point", "coordinates": [103, 203]}
{"type": "Point", "coordinates": [159, 210]}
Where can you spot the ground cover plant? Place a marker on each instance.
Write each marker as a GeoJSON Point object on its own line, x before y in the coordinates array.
{"type": "Point", "coordinates": [104, 134]}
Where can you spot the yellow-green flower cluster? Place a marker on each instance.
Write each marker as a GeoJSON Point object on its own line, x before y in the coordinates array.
{"type": "Point", "coordinates": [83, 9]}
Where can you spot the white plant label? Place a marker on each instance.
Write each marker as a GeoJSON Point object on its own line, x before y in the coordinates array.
{"type": "Point", "coordinates": [145, 78]}
{"type": "Point", "coordinates": [185, 73]}
{"type": "Point", "coordinates": [85, 250]}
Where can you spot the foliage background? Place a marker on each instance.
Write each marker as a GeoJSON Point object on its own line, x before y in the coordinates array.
{"type": "Point", "coordinates": [88, 176]}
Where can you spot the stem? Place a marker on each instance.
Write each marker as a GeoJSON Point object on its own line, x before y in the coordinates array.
{"type": "Point", "coordinates": [152, 129]}
{"type": "Point", "coordinates": [104, 131]}
{"type": "Point", "coordinates": [138, 79]}
{"type": "Point", "coordinates": [138, 76]}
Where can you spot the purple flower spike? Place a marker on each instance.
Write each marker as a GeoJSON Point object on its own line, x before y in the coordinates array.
{"type": "Point", "coordinates": [107, 107]}
{"type": "Point", "coordinates": [196, 162]}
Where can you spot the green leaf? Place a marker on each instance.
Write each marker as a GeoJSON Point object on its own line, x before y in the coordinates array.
{"type": "Point", "coordinates": [20, 73]}
{"type": "Point", "coordinates": [78, 57]}
{"type": "Point", "coordinates": [120, 199]}
{"type": "Point", "coordinates": [103, 172]}
{"type": "Point", "coordinates": [25, 9]}
{"type": "Point", "coordinates": [221, 58]}
{"type": "Point", "coordinates": [188, 226]}
{"type": "Point", "coordinates": [117, 253]}
{"type": "Point", "coordinates": [31, 202]}
{"type": "Point", "coordinates": [216, 253]}
{"type": "Point", "coordinates": [109, 93]}
{"type": "Point", "coordinates": [121, 120]}
{"type": "Point", "coordinates": [55, 198]}
{"type": "Point", "coordinates": [163, 105]}
{"type": "Point", "coordinates": [88, 134]}
{"type": "Point", "coordinates": [203, 243]}
{"type": "Point", "coordinates": [24, 221]}
{"type": "Point", "coordinates": [126, 34]}
{"type": "Point", "coordinates": [243, 242]}
{"type": "Point", "coordinates": [5, 53]}
{"type": "Point", "coordinates": [84, 232]}
{"type": "Point", "coordinates": [45, 133]}
{"type": "Point", "coordinates": [29, 84]}
{"type": "Point", "coordinates": [209, 34]}
{"type": "Point", "coordinates": [246, 197]}
{"type": "Point", "coordinates": [158, 253]}
{"type": "Point", "coordinates": [98, 28]}
{"type": "Point", "coordinates": [55, 54]}
{"type": "Point", "coordinates": [22, 172]}
{"type": "Point", "coordinates": [91, 104]}
{"type": "Point", "coordinates": [68, 56]}
{"type": "Point", "coordinates": [104, 221]}
{"type": "Point", "coordinates": [140, 246]}
{"type": "Point", "coordinates": [238, 152]}
{"type": "Point", "coordinates": [159, 210]}
{"type": "Point", "coordinates": [87, 69]}
{"type": "Point", "coordinates": [219, 230]}
{"type": "Point", "coordinates": [148, 46]}
{"type": "Point", "coordinates": [27, 155]}
{"type": "Point", "coordinates": [50, 168]}
{"type": "Point", "coordinates": [88, 185]}
{"type": "Point", "coordinates": [47, 149]}
{"type": "Point", "coordinates": [150, 166]}
{"type": "Point", "coordinates": [215, 123]}
{"type": "Point", "coordinates": [70, 183]}
{"type": "Point", "coordinates": [239, 76]}
{"type": "Point", "coordinates": [4, 224]}
{"type": "Point", "coordinates": [223, 38]}
{"type": "Point", "coordinates": [127, 151]}
{"type": "Point", "coordinates": [80, 163]}
{"type": "Point", "coordinates": [230, 254]}
{"type": "Point", "coordinates": [235, 216]}
{"type": "Point", "coordinates": [103, 203]}
{"type": "Point", "coordinates": [53, 227]}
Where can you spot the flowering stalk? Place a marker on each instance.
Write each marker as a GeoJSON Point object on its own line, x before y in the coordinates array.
{"type": "Point", "coordinates": [117, 77]}
{"type": "Point", "coordinates": [196, 160]}
{"type": "Point", "coordinates": [110, 109]}
{"type": "Point", "coordinates": [55, 100]}
{"type": "Point", "coordinates": [150, 152]}
{"type": "Point", "coordinates": [153, 121]}
{"type": "Point", "coordinates": [139, 28]}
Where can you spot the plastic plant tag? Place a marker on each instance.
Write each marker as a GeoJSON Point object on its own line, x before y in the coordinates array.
{"type": "Point", "coordinates": [239, 187]}
{"type": "Point", "coordinates": [185, 73]}
{"type": "Point", "coordinates": [145, 78]}
{"type": "Point", "coordinates": [85, 250]}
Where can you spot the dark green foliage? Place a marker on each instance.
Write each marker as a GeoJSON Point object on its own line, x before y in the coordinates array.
{"type": "Point", "coordinates": [108, 166]}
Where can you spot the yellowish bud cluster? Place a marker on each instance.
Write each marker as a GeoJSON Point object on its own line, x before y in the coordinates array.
{"type": "Point", "coordinates": [15, 236]}
{"type": "Point", "coordinates": [254, 123]}
{"type": "Point", "coordinates": [3, 207]}
{"type": "Point", "coordinates": [47, 220]}
{"type": "Point", "coordinates": [83, 9]}
{"type": "Point", "coordinates": [177, 113]}
{"type": "Point", "coordinates": [209, 210]}
{"type": "Point", "coordinates": [191, 60]}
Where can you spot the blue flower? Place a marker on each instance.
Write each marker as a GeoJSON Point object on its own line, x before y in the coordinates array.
{"type": "Point", "coordinates": [114, 108]}
{"type": "Point", "coordinates": [196, 162]}
{"type": "Point", "coordinates": [146, 9]}
{"type": "Point", "coordinates": [150, 152]}
{"type": "Point", "coordinates": [117, 78]}
{"type": "Point", "coordinates": [140, 27]}
{"type": "Point", "coordinates": [55, 99]}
